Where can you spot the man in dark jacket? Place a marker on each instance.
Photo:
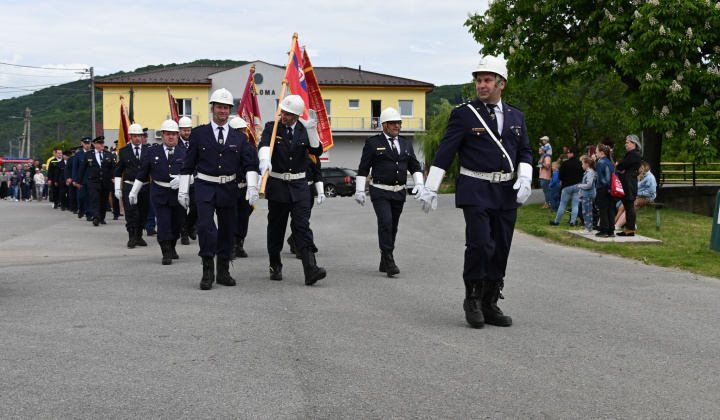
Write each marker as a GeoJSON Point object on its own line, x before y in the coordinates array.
{"type": "Point", "coordinates": [571, 174]}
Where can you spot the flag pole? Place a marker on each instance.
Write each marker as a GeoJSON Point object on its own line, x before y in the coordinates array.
{"type": "Point", "coordinates": [277, 114]}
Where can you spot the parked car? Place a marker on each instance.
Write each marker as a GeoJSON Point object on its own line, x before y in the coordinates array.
{"type": "Point", "coordinates": [338, 181]}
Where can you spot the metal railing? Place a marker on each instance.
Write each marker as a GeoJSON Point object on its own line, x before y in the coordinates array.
{"type": "Point", "coordinates": [373, 124]}
{"type": "Point", "coordinates": [688, 173]}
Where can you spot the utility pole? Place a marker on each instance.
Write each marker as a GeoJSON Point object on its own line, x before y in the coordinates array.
{"type": "Point", "coordinates": [92, 100]}
{"type": "Point", "coordinates": [28, 123]}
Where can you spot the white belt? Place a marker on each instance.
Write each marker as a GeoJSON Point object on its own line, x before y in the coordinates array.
{"type": "Point", "coordinates": [162, 184]}
{"type": "Point", "coordinates": [216, 179]}
{"type": "Point", "coordinates": [242, 184]}
{"type": "Point", "coordinates": [286, 176]}
{"type": "Point", "coordinates": [393, 188]}
{"type": "Point", "coordinates": [493, 177]}
{"type": "Point", "coordinates": [133, 182]}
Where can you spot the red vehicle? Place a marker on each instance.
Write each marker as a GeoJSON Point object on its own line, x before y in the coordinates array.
{"type": "Point", "coordinates": [9, 162]}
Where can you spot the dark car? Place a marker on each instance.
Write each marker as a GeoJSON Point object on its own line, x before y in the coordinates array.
{"type": "Point", "coordinates": [339, 181]}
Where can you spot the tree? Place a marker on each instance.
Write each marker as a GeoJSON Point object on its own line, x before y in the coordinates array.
{"type": "Point", "coordinates": [665, 51]}
{"type": "Point", "coordinates": [430, 139]}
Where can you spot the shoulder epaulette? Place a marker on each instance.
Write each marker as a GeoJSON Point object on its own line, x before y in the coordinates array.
{"type": "Point", "coordinates": [464, 103]}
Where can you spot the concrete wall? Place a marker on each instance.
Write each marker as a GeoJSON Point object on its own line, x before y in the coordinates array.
{"type": "Point", "coordinates": [698, 200]}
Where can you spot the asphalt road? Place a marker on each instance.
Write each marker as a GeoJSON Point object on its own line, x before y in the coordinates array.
{"type": "Point", "coordinates": [92, 330]}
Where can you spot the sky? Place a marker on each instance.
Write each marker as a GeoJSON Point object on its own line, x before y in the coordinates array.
{"type": "Point", "coordinates": [424, 41]}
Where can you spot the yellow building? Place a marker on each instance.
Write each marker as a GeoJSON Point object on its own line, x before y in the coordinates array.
{"type": "Point", "coordinates": [354, 99]}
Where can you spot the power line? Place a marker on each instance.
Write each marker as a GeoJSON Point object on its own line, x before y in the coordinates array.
{"type": "Point", "coordinates": [42, 68]}
{"type": "Point", "coordinates": [38, 75]}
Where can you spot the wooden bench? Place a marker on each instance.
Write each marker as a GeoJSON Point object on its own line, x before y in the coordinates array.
{"type": "Point", "coordinates": [657, 206]}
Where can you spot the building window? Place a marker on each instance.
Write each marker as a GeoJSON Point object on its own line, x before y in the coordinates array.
{"type": "Point", "coordinates": [184, 107]}
{"type": "Point", "coordinates": [354, 104]}
{"type": "Point", "coordinates": [406, 108]}
{"type": "Point", "coordinates": [328, 106]}
{"type": "Point", "coordinates": [258, 78]}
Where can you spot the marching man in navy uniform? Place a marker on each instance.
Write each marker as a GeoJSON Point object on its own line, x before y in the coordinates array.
{"type": "Point", "coordinates": [390, 157]}
{"type": "Point", "coordinates": [188, 231]}
{"type": "Point", "coordinates": [220, 156]}
{"type": "Point", "coordinates": [316, 186]}
{"type": "Point", "coordinates": [244, 209]}
{"type": "Point", "coordinates": [99, 165]}
{"type": "Point", "coordinates": [129, 163]}
{"type": "Point", "coordinates": [491, 140]}
{"type": "Point", "coordinates": [163, 164]}
{"type": "Point", "coordinates": [287, 188]}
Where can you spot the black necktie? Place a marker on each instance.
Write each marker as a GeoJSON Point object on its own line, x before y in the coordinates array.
{"type": "Point", "coordinates": [493, 118]}
{"type": "Point", "coordinates": [290, 132]}
{"type": "Point", "coordinates": [170, 150]}
{"type": "Point", "coordinates": [101, 157]}
{"type": "Point", "coordinates": [393, 148]}
{"type": "Point", "coordinates": [221, 139]}
{"type": "Point", "coordinates": [137, 153]}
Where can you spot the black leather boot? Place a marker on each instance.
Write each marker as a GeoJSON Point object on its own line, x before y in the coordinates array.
{"type": "Point", "coordinates": [173, 252]}
{"type": "Point", "coordinates": [165, 247]}
{"type": "Point", "coordinates": [313, 273]}
{"type": "Point", "coordinates": [223, 273]}
{"type": "Point", "coordinates": [293, 245]}
{"type": "Point", "coordinates": [382, 268]}
{"type": "Point", "coordinates": [131, 238]}
{"type": "Point", "coordinates": [390, 268]}
{"type": "Point", "coordinates": [473, 306]}
{"type": "Point", "coordinates": [489, 295]}
{"type": "Point", "coordinates": [275, 267]}
{"type": "Point", "coordinates": [184, 238]}
{"type": "Point", "coordinates": [139, 241]}
{"type": "Point", "coordinates": [239, 251]}
{"type": "Point", "coordinates": [208, 276]}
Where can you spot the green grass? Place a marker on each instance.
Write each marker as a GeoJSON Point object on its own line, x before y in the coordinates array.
{"type": "Point", "coordinates": [685, 236]}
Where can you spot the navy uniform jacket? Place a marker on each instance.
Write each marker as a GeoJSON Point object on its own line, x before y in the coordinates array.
{"type": "Point", "coordinates": [97, 174]}
{"type": "Point", "coordinates": [68, 167]}
{"type": "Point", "coordinates": [256, 163]}
{"type": "Point", "coordinates": [386, 170]}
{"type": "Point", "coordinates": [477, 151]}
{"type": "Point", "coordinates": [314, 170]}
{"type": "Point", "coordinates": [157, 165]}
{"type": "Point", "coordinates": [206, 156]}
{"type": "Point", "coordinates": [289, 156]}
{"type": "Point", "coordinates": [128, 165]}
{"type": "Point", "coordinates": [77, 162]}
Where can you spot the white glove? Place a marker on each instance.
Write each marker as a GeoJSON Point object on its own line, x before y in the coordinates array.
{"type": "Point", "coordinates": [360, 196]}
{"type": "Point", "coordinates": [419, 184]}
{"type": "Point", "coordinates": [253, 191]}
{"type": "Point", "coordinates": [427, 195]}
{"type": "Point", "coordinates": [265, 165]}
{"type": "Point", "coordinates": [132, 197]}
{"type": "Point", "coordinates": [175, 182]}
{"type": "Point", "coordinates": [311, 126]}
{"type": "Point", "coordinates": [183, 191]}
{"type": "Point", "coordinates": [320, 188]}
{"type": "Point", "coordinates": [522, 185]}
{"type": "Point", "coordinates": [118, 188]}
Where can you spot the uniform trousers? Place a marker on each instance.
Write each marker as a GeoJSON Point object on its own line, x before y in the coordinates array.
{"type": "Point", "coordinates": [72, 197]}
{"type": "Point", "coordinates": [244, 209]}
{"type": "Point", "coordinates": [388, 217]}
{"type": "Point", "coordinates": [192, 214]}
{"type": "Point", "coordinates": [169, 221]}
{"type": "Point", "coordinates": [216, 239]}
{"type": "Point", "coordinates": [150, 224]}
{"type": "Point", "coordinates": [136, 215]}
{"type": "Point", "coordinates": [278, 212]}
{"type": "Point", "coordinates": [62, 200]}
{"type": "Point", "coordinates": [98, 201]}
{"type": "Point", "coordinates": [115, 206]}
{"type": "Point", "coordinates": [83, 201]}
{"type": "Point", "coordinates": [488, 236]}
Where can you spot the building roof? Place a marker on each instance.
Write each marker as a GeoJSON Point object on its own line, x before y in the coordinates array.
{"type": "Point", "coordinates": [326, 76]}
{"type": "Point", "coordinates": [177, 75]}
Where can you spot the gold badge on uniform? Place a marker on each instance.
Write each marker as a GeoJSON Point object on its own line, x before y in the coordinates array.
{"type": "Point", "coordinates": [478, 129]}
{"type": "Point", "coordinates": [381, 148]}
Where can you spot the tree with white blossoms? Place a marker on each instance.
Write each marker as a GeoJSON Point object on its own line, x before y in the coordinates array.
{"type": "Point", "coordinates": [665, 51]}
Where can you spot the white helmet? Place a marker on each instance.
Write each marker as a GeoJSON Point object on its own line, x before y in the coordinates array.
{"type": "Point", "coordinates": [390, 114]}
{"type": "Point", "coordinates": [185, 122]}
{"type": "Point", "coordinates": [169, 125]}
{"type": "Point", "coordinates": [238, 122]}
{"type": "Point", "coordinates": [491, 64]}
{"type": "Point", "coordinates": [135, 129]}
{"type": "Point", "coordinates": [293, 104]}
{"type": "Point", "coordinates": [222, 96]}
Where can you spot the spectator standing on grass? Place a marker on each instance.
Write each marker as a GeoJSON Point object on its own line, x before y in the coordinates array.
{"type": "Point", "coordinates": [587, 192]}
{"type": "Point", "coordinates": [604, 168]}
{"type": "Point", "coordinates": [555, 187]}
{"type": "Point", "coordinates": [647, 192]}
{"type": "Point", "coordinates": [545, 165]}
{"type": "Point", "coordinates": [571, 174]}
{"type": "Point", "coordinates": [14, 187]}
{"type": "Point", "coordinates": [627, 170]}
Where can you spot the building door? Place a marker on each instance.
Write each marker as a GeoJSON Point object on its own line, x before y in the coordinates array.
{"type": "Point", "coordinates": [375, 114]}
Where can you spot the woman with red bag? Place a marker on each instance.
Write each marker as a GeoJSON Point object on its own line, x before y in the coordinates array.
{"type": "Point", "coordinates": [606, 211]}
{"type": "Point", "coordinates": [627, 170]}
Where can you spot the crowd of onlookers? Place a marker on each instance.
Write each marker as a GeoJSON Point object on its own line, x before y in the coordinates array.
{"type": "Point", "coordinates": [585, 182]}
{"type": "Point", "coordinates": [26, 182]}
